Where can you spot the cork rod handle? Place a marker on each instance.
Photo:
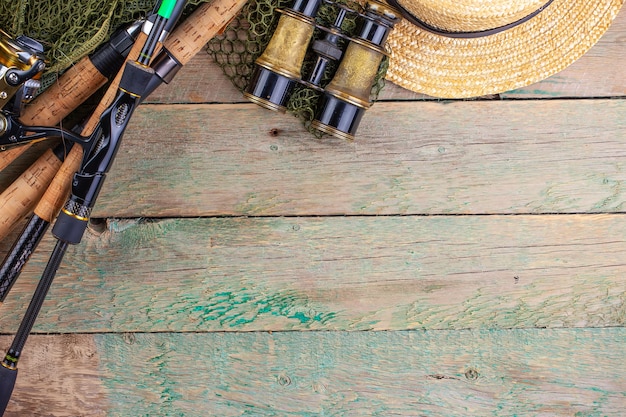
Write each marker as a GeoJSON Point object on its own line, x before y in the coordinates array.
{"type": "Point", "coordinates": [49, 108]}
{"type": "Point", "coordinates": [205, 22]}
{"type": "Point", "coordinates": [22, 195]}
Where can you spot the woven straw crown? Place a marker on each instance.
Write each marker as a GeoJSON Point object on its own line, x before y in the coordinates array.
{"type": "Point", "coordinates": [448, 56]}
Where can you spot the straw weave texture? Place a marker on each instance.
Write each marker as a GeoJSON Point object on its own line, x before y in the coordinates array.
{"type": "Point", "coordinates": [446, 67]}
{"type": "Point", "coordinates": [462, 16]}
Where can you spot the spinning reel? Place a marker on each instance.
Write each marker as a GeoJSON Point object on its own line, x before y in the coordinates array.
{"type": "Point", "coordinates": [21, 64]}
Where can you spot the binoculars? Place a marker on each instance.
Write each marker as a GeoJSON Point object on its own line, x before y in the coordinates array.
{"type": "Point", "coordinates": [355, 60]}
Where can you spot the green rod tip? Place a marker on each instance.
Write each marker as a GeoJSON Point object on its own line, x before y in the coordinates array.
{"type": "Point", "coordinates": [167, 6]}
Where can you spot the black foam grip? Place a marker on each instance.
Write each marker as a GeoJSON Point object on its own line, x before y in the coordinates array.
{"type": "Point", "coordinates": [107, 60]}
{"type": "Point", "coordinates": [20, 253]}
{"type": "Point", "coordinates": [136, 78]}
{"type": "Point", "coordinates": [7, 383]}
{"type": "Point", "coordinates": [110, 57]}
{"type": "Point", "coordinates": [69, 229]}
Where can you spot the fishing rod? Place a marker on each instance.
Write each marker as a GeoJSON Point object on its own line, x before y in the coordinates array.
{"type": "Point", "coordinates": [99, 150]}
{"type": "Point", "coordinates": [188, 39]}
{"type": "Point", "coordinates": [48, 109]}
{"type": "Point", "coordinates": [107, 60]}
{"type": "Point", "coordinates": [178, 49]}
{"type": "Point", "coordinates": [73, 87]}
{"type": "Point", "coordinates": [55, 195]}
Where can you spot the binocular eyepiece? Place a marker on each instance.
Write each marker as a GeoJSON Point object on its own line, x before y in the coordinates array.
{"type": "Point", "coordinates": [345, 98]}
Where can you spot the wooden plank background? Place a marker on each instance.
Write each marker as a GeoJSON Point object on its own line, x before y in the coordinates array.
{"type": "Point", "coordinates": [459, 258]}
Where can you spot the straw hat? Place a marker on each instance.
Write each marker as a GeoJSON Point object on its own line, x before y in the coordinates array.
{"type": "Point", "coordinates": [522, 42]}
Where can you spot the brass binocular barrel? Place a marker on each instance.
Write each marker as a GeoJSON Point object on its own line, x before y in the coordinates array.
{"type": "Point", "coordinates": [344, 99]}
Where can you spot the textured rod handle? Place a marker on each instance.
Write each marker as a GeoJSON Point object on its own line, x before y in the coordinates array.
{"type": "Point", "coordinates": [58, 101]}
{"type": "Point", "coordinates": [58, 190]}
{"type": "Point", "coordinates": [61, 98]}
{"type": "Point", "coordinates": [205, 22]}
{"type": "Point", "coordinates": [22, 195]}
{"type": "Point", "coordinates": [19, 254]}
{"type": "Point", "coordinates": [7, 383]}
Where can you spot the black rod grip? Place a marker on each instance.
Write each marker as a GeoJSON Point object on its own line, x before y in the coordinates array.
{"type": "Point", "coordinates": [7, 383]}
{"type": "Point", "coordinates": [68, 228]}
{"type": "Point", "coordinates": [109, 57]}
{"type": "Point", "coordinates": [20, 253]}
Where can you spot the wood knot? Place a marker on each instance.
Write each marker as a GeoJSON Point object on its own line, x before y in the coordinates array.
{"type": "Point", "coordinates": [97, 226]}
{"type": "Point", "coordinates": [472, 374]}
{"type": "Point", "coordinates": [274, 132]}
{"type": "Point", "coordinates": [284, 380]}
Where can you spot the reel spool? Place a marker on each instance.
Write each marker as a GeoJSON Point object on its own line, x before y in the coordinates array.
{"type": "Point", "coordinates": [21, 64]}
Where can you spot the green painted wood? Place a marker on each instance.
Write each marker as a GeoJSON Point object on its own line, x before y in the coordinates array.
{"type": "Point", "coordinates": [554, 156]}
{"type": "Point", "coordinates": [336, 273]}
{"type": "Point", "coordinates": [566, 372]}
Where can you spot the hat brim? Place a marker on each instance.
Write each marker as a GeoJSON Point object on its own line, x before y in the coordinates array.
{"type": "Point", "coordinates": [447, 67]}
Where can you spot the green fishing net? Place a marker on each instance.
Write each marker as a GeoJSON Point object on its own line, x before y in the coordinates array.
{"type": "Point", "coordinates": [70, 29]}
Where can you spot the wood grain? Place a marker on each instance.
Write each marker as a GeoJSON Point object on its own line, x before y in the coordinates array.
{"type": "Point", "coordinates": [336, 273]}
{"type": "Point", "coordinates": [552, 156]}
{"type": "Point", "coordinates": [58, 376]}
{"type": "Point", "coordinates": [460, 258]}
{"type": "Point", "coordinates": [567, 372]}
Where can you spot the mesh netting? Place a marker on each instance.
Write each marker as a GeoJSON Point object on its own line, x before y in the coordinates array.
{"type": "Point", "coordinates": [249, 33]}
{"type": "Point", "coordinates": [70, 29]}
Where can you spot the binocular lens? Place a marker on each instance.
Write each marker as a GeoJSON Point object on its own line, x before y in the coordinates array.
{"type": "Point", "coordinates": [269, 89]}
{"type": "Point", "coordinates": [338, 117]}
{"type": "Point", "coordinates": [279, 67]}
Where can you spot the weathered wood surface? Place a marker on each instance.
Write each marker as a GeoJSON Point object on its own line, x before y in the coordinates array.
{"type": "Point", "coordinates": [336, 273]}
{"type": "Point", "coordinates": [567, 372]}
{"type": "Point", "coordinates": [409, 157]}
{"type": "Point", "coordinates": [483, 239]}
